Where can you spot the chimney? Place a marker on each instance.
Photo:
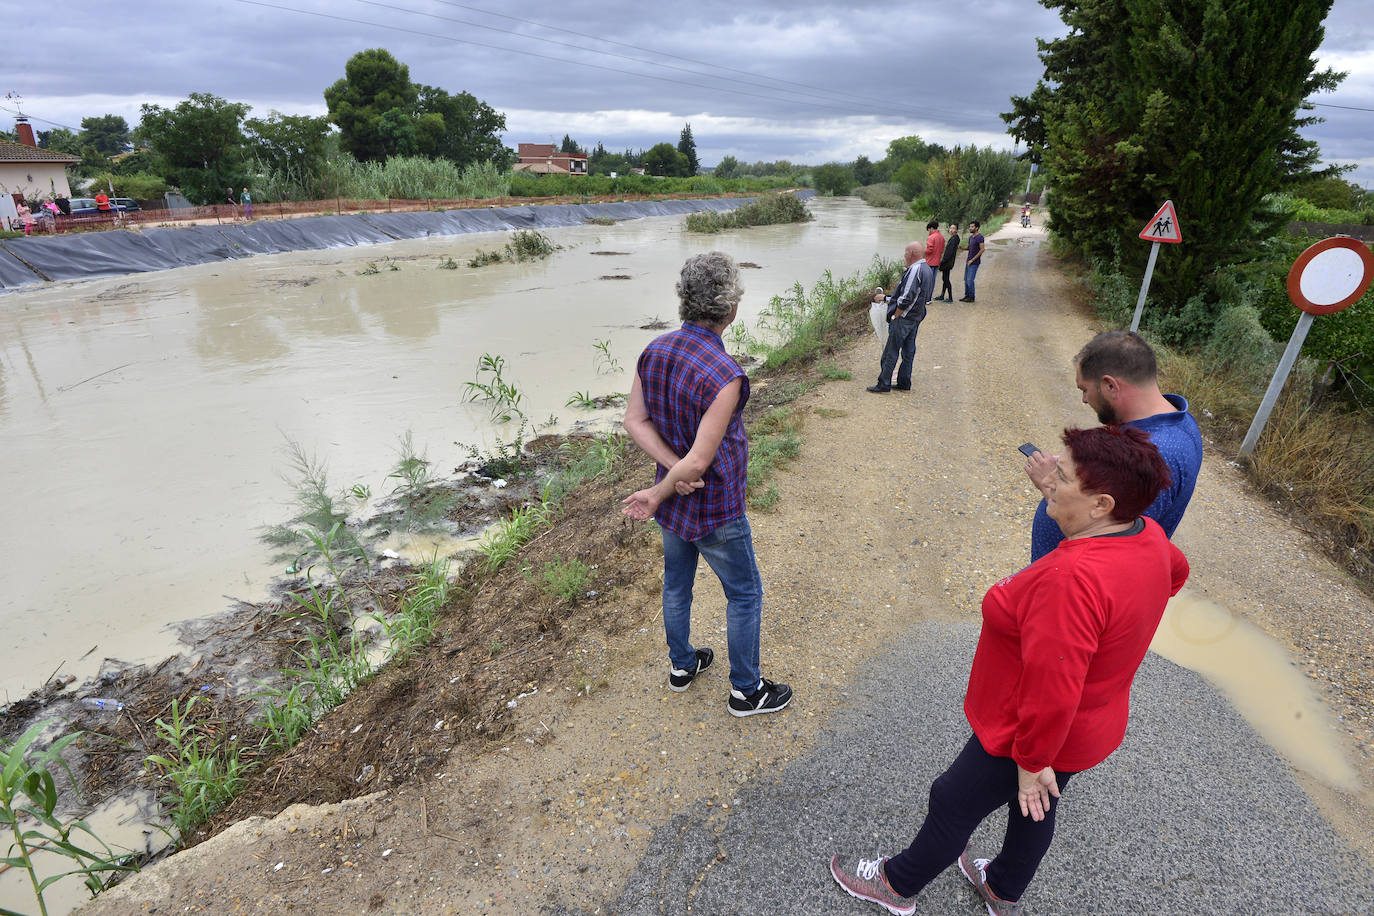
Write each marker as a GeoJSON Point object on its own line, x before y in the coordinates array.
{"type": "Point", "coordinates": [25, 131]}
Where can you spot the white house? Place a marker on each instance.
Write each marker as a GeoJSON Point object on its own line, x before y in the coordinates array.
{"type": "Point", "coordinates": [32, 173]}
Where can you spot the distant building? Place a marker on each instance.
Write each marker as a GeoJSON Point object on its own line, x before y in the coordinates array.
{"type": "Point", "coordinates": [547, 159]}
{"type": "Point", "coordinates": [33, 173]}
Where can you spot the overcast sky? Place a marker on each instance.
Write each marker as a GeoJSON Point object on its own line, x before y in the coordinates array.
{"type": "Point", "coordinates": [806, 81]}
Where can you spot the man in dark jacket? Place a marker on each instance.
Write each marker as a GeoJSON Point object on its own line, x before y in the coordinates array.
{"type": "Point", "coordinates": [906, 309]}
{"type": "Point", "coordinates": [947, 264]}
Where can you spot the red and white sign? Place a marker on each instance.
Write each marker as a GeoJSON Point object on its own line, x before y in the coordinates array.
{"type": "Point", "coordinates": [1331, 275]}
{"type": "Point", "coordinates": [1163, 226]}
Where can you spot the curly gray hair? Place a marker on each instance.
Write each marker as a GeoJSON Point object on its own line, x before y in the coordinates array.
{"type": "Point", "coordinates": [709, 288]}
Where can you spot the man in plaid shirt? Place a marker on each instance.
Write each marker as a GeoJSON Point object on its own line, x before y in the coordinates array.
{"type": "Point", "coordinates": [685, 410]}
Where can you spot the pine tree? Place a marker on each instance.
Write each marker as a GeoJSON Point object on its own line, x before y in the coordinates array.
{"type": "Point", "coordinates": [688, 147]}
{"type": "Point", "coordinates": [1195, 101]}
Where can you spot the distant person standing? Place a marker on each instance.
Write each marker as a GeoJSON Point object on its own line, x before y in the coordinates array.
{"type": "Point", "coordinates": [65, 205]}
{"type": "Point", "coordinates": [1118, 376]}
{"type": "Point", "coordinates": [974, 260]}
{"type": "Point", "coordinates": [935, 247]}
{"type": "Point", "coordinates": [947, 263]}
{"type": "Point", "coordinates": [102, 202]}
{"type": "Point", "coordinates": [25, 218]}
{"type": "Point", "coordinates": [685, 412]}
{"type": "Point", "coordinates": [247, 200]}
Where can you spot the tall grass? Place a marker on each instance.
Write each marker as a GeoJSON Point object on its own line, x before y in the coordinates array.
{"type": "Point", "coordinates": [800, 324]}
{"type": "Point", "coordinates": [205, 776]}
{"type": "Point", "coordinates": [766, 211]}
{"type": "Point", "coordinates": [400, 177]}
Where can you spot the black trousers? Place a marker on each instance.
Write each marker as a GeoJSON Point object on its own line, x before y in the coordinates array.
{"type": "Point", "coordinates": [945, 288]}
{"type": "Point", "coordinates": [975, 785]}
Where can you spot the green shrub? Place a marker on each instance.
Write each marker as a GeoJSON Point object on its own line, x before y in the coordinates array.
{"type": "Point", "coordinates": [886, 196]}
{"type": "Point", "coordinates": [766, 211]}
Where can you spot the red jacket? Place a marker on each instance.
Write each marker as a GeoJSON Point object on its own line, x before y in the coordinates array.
{"type": "Point", "coordinates": [1060, 645]}
{"type": "Point", "coordinates": [935, 248]}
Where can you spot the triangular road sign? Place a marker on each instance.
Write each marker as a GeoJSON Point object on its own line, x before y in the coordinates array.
{"type": "Point", "coordinates": [1163, 226]}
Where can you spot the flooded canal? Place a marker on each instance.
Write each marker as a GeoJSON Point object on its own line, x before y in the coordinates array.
{"type": "Point", "coordinates": [145, 418]}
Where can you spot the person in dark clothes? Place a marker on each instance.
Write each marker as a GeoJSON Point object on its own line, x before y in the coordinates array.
{"type": "Point", "coordinates": [947, 264]}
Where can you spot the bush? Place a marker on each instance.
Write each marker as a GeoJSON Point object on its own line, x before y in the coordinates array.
{"type": "Point", "coordinates": [1241, 346]}
{"type": "Point", "coordinates": [766, 211]}
{"type": "Point", "coordinates": [887, 196]}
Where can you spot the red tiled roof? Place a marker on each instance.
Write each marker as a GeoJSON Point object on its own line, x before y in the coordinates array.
{"type": "Point", "coordinates": [20, 152]}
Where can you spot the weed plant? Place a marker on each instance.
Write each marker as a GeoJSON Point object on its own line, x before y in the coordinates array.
{"type": "Point", "coordinates": [566, 580]}
{"type": "Point", "coordinates": [414, 622]}
{"type": "Point", "coordinates": [205, 777]}
{"type": "Point", "coordinates": [502, 398]}
{"type": "Point", "coordinates": [804, 323]}
{"type": "Point", "coordinates": [422, 503]}
{"type": "Point", "coordinates": [448, 263]}
{"type": "Point", "coordinates": [833, 373]}
{"type": "Point", "coordinates": [774, 442]}
{"type": "Point", "coordinates": [319, 528]}
{"type": "Point", "coordinates": [506, 460]}
{"type": "Point", "coordinates": [28, 810]}
{"type": "Point", "coordinates": [483, 258]}
{"type": "Point", "coordinates": [606, 364]}
{"type": "Point", "coordinates": [508, 538]}
{"type": "Point", "coordinates": [583, 400]}
{"type": "Point", "coordinates": [766, 211]}
{"type": "Point", "coordinates": [584, 460]}
{"type": "Point", "coordinates": [529, 245]}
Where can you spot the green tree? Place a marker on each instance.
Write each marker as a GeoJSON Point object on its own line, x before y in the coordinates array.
{"type": "Point", "coordinates": [374, 83]}
{"type": "Point", "coordinates": [59, 140]}
{"type": "Point", "coordinates": [289, 145]}
{"type": "Point", "coordinates": [200, 143]}
{"type": "Point", "coordinates": [1148, 100]}
{"type": "Point", "coordinates": [969, 183]}
{"type": "Point", "coordinates": [664, 160]}
{"type": "Point", "coordinates": [569, 145]}
{"type": "Point", "coordinates": [728, 168]}
{"type": "Point", "coordinates": [108, 133]}
{"type": "Point", "coordinates": [910, 178]}
{"type": "Point", "coordinates": [834, 179]}
{"type": "Point", "coordinates": [461, 128]}
{"type": "Point", "coordinates": [688, 148]}
{"type": "Point", "coordinates": [864, 172]}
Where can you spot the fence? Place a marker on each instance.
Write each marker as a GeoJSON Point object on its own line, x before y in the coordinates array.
{"type": "Point", "coordinates": [234, 213]}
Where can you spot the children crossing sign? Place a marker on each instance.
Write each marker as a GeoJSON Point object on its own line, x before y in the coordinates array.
{"type": "Point", "coordinates": [1163, 226]}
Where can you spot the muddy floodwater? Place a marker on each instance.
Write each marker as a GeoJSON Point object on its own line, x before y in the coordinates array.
{"type": "Point", "coordinates": [144, 418]}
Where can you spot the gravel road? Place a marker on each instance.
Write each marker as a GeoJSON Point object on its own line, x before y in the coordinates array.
{"type": "Point", "coordinates": [902, 509]}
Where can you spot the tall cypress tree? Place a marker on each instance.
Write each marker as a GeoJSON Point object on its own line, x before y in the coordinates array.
{"type": "Point", "coordinates": [1195, 101]}
{"type": "Point", "coordinates": [688, 147]}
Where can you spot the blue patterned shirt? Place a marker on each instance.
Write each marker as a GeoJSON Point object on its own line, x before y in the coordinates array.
{"type": "Point", "coordinates": [1179, 441]}
{"type": "Point", "coordinates": [681, 373]}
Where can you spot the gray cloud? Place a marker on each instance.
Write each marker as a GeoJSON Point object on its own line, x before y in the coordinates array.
{"type": "Point", "coordinates": [820, 81]}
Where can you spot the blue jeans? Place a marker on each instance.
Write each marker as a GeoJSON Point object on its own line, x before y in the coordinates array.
{"type": "Point", "coordinates": [970, 271]}
{"type": "Point", "coordinates": [730, 552]}
{"type": "Point", "coordinates": [901, 341]}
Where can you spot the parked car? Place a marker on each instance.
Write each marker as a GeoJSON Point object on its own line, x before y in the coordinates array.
{"type": "Point", "coordinates": [85, 206]}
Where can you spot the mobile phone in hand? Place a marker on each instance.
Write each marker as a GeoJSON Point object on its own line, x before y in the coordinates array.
{"type": "Point", "coordinates": [1028, 449]}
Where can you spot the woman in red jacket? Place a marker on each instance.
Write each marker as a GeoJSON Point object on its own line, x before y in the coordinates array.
{"type": "Point", "coordinates": [1049, 690]}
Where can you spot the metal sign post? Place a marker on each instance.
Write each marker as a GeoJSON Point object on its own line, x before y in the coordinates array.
{"type": "Point", "coordinates": [1327, 277]}
{"type": "Point", "coordinates": [1162, 227]}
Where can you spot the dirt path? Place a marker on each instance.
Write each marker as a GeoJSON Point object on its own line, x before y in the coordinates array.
{"type": "Point", "coordinates": [902, 506]}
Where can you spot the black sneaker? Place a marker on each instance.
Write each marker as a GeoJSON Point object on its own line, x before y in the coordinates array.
{"type": "Point", "coordinates": [769, 697]}
{"type": "Point", "coordinates": [879, 389]}
{"type": "Point", "coordinates": [679, 679]}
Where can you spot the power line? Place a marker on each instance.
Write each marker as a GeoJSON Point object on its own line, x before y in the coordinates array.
{"type": "Point", "coordinates": [1346, 107]}
{"type": "Point", "coordinates": [561, 60]}
{"type": "Point", "coordinates": [869, 100]}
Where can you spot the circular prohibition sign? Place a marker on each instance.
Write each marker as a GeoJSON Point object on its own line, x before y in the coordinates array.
{"type": "Point", "coordinates": [1331, 275]}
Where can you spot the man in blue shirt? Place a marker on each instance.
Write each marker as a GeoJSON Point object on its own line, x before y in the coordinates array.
{"type": "Point", "coordinates": [1118, 376]}
{"type": "Point", "coordinates": [973, 261]}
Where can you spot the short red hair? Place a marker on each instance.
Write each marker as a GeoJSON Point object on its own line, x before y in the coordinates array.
{"type": "Point", "coordinates": [1120, 461]}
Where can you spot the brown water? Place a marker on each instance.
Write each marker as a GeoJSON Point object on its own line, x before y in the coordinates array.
{"type": "Point", "coordinates": [144, 417]}
{"type": "Point", "coordinates": [1260, 680]}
